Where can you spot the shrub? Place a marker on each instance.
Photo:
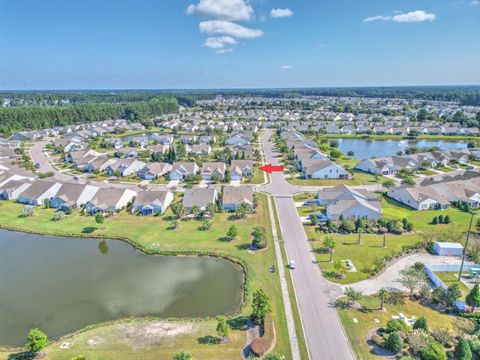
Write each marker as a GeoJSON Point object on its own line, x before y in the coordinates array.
{"type": "Point", "coordinates": [447, 220]}
{"type": "Point", "coordinates": [462, 350]}
{"type": "Point", "coordinates": [36, 340]}
{"type": "Point", "coordinates": [396, 325]}
{"type": "Point", "coordinates": [377, 340]}
{"type": "Point", "coordinates": [394, 342]}
{"type": "Point", "coordinates": [474, 346]}
{"type": "Point", "coordinates": [434, 351]}
{"type": "Point", "coordinates": [417, 340]}
{"type": "Point", "coordinates": [421, 323]}
{"type": "Point", "coordinates": [348, 226]}
{"type": "Point", "coordinates": [473, 298]}
{"type": "Point", "coordinates": [443, 336]}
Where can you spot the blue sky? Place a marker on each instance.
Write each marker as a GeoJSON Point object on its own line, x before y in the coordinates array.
{"type": "Point", "coordinates": [102, 44]}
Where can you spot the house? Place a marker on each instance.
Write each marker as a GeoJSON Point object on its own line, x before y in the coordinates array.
{"type": "Point", "coordinates": [125, 167]}
{"type": "Point", "coordinates": [448, 248]}
{"type": "Point", "coordinates": [213, 169]}
{"type": "Point", "coordinates": [241, 168]}
{"type": "Point", "coordinates": [324, 169]}
{"type": "Point", "coordinates": [354, 207]}
{"type": "Point", "coordinates": [234, 196]}
{"type": "Point", "coordinates": [199, 197]}
{"type": "Point", "coordinates": [38, 192]}
{"type": "Point", "coordinates": [188, 139]}
{"type": "Point", "coordinates": [181, 169]}
{"type": "Point", "coordinates": [72, 196]}
{"type": "Point", "coordinates": [201, 149]}
{"type": "Point", "coordinates": [13, 188]}
{"type": "Point", "coordinates": [110, 200]}
{"type": "Point", "coordinates": [329, 195]}
{"type": "Point", "coordinates": [420, 198]}
{"type": "Point", "coordinates": [152, 202]}
{"type": "Point", "coordinates": [207, 139]}
{"type": "Point", "coordinates": [99, 163]}
{"type": "Point", "coordinates": [154, 170]}
{"type": "Point", "coordinates": [237, 139]}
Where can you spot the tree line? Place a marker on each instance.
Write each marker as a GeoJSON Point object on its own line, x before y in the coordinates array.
{"type": "Point", "coordinates": [14, 119]}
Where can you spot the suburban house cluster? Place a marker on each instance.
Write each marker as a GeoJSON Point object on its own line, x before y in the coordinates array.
{"type": "Point", "coordinates": [439, 192]}
{"type": "Point", "coordinates": [312, 163]}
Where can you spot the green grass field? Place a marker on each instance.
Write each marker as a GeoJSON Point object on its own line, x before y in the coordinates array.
{"type": "Point", "coordinates": [450, 278]}
{"type": "Point", "coordinates": [358, 178]}
{"type": "Point", "coordinates": [152, 233]}
{"type": "Point", "coordinates": [357, 332]}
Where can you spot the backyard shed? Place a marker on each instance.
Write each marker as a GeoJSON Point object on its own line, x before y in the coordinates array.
{"type": "Point", "coordinates": [448, 249]}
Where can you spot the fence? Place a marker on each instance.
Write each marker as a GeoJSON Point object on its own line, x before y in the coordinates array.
{"type": "Point", "coordinates": [431, 269]}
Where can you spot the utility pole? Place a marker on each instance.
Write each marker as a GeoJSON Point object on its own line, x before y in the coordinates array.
{"type": "Point", "coordinates": [472, 213]}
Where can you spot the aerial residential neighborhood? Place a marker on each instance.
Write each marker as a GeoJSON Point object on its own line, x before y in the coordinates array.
{"type": "Point", "coordinates": [239, 179]}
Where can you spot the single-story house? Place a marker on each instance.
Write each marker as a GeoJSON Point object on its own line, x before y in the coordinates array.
{"type": "Point", "coordinates": [154, 170]}
{"type": "Point", "coordinates": [109, 200]}
{"type": "Point", "coordinates": [13, 188]}
{"type": "Point", "coordinates": [125, 167]}
{"type": "Point", "coordinates": [419, 198]}
{"type": "Point", "coordinates": [200, 197]}
{"type": "Point", "coordinates": [72, 196]}
{"type": "Point", "coordinates": [182, 169]}
{"type": "Point", "coordinates": [210, 170]}
{"type": "Point", "coordinates": [38, 192]}
{"type": "Point", "coordinates": [241, 168]}
{"type": "Point", "coordinates": [152, 202]}
{"type": "Point", "coordinates": [324, 169]}
{"type": "Point", "coordinates": [234, 196]}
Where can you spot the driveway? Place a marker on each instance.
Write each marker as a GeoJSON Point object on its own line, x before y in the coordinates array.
{"type": "Point", "coordinates": [315, 296]}
{"type": "Point", "coordinates": [388, 278]}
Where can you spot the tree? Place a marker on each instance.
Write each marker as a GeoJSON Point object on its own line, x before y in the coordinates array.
{"type": "Point", "coordinates": [462, 350]}
{"type": "Point", "coordinates": [447, 220]}
{"type": "Point", "coordinates": [36, 340]}
{"type": "Point", "coordinates": [232, 232]}
{"type": "Point", "coordinates": [452, 294]}
{"type": "Point", "coordinates": [382, 294]}
{"type": "Point", "coordinates": [329, 243]}
{"type": "Point", "coordinates": [28, 211]}
{"type": "Point", "coordinates": [412, 279]}
{"type": "Point", "coordinates": [195, 210]}
{"type": "Point", "coordinates": [353, 295]}
{"type": "Point", "coordinates": [434, 351]}
{"type": "Point", "coordinates": [182, 356]}
{"type": "Point", "coordinates": [314, 220]}
{"type": "Point", "coordinates": [340, 267]}
{"type": "Point", "coordinates": [59, 216]}
{"type": "Point", "coordinates": [223, 328]}
{"type": "Point", "coordinates": [261, 306]}
{"type": "Point", "coordinates": [210, 209]}
{"type": "Point", "coordinates": [421, 323]}
{"type": "Point", "coordinates": [394, 342]}
{"type": "Point", "coordinates": [99, 218]}
{"type": "Point", "coordinates": [206, 225]}
{"type": "Point", "coordinates": [178, 210]}
{"type": "Point", "coordinates": [388, 184]}
{"type": "Point", "coordinates": [435, 220]}
{"type": "Point", "coordinates": [473, 297]}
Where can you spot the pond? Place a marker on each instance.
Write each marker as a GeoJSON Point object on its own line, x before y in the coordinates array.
{"type": "Point", "coordinates": [367, 148]}
{"type": "Point", "coordinates": [140, 137]}
{"type": "Point", "coordinates": [64, 284]}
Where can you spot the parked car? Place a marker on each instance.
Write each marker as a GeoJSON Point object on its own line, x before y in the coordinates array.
{"type": "Point", "coordinates": [291, 264]}
{"type": "Point", "coordinates": [37, 165]}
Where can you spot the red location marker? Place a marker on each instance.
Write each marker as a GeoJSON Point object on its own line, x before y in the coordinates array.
{"type": "Point", "coordinates": [269, 168]}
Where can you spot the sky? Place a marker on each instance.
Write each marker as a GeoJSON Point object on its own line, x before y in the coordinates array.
{"type": "Point", "coordinates": [180, 44]}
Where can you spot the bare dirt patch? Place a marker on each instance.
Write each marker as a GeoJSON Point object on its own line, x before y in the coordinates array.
{"type": "Point", "coordinates": [139, 335]}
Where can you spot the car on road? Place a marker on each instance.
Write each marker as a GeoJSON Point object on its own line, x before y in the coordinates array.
{"type": "Point", "coordinates": [291, 264]}
{"type": "Point", "coordinates": [37, 165]}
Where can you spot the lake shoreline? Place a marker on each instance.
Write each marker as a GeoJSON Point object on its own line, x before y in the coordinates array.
{"type": "Point", "coordinates": [241, 266]}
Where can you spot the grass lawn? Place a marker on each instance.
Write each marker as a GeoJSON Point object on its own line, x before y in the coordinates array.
{"type": "Point", "coordinates": [358, 178]}
{"type": "Point", "coordinates": [450, 278]}
{"type": "Point", "coordinates": [357, 332]}
{"type": "Point", "coordinates": [421, 219]}
{"type": "Point", "coordinates": [444, 169]}
{"type": "Point", "coordinates": [307, 210]}
{"type": "Point", "coordinates": [427, 172]}
{"type": "Point", "coordinates": [257, 178]}
{"type": "Point", "coordinates": [363, 256]}
{"type": "Point", "coordinates": [304, 197]}
{"type": "Point", "coordinates": [153, 234]}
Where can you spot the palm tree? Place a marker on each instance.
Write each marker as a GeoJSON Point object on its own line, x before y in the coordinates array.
{"type": "Point", "coordinates": [329, 243]}
{"type": "Point", "coordinates": [382, 294]}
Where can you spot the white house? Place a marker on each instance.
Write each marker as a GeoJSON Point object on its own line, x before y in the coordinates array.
{"type": "Point", "coordinates": [324, 169]}
{"type": "Point", "coordinates": [39, 192]}
{"type": "Point", "coordinates": [152, 202]}
{"type": "Point", "coordinates": [109, 200]}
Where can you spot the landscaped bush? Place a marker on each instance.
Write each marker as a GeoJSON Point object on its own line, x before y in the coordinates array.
{"type": "Point", "coordinates": [462, 350]}
{"type": "Point", "coordinates": [378, 340]}
{"type": "Point", "coordinates": [263, 344]}
{"type": "Point", "coordinates": [434, 351]}
{"type": "Point", "coordinates": [396, 325]}
{"type": "Point", "coordinates": [421, 323]}
{"type": "Point", "coordinates": [394, 342]}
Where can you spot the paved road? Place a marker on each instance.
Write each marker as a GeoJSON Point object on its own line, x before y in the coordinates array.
{"type": "Point", "coordinates": [316, 296]}
{"type": "Point", "coordinates": [37, 155]}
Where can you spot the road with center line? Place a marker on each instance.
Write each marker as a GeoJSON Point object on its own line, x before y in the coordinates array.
{"type": "Point", "coordinates": [316, 296]}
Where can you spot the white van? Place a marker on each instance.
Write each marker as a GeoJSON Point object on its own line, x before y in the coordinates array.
{"type": "Point", "coordinates": [291, 264]}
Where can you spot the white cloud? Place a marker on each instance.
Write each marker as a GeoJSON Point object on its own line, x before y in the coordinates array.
{"type": "Point", "coordinates": [224, 51]}
{"type": "Point", "coordinates": [474, 3]}
{"type": "Point", "coordinates": [219, 42]}
{"type": "Point", "coordinates": [286, 67]}
{"type": "Point", "coordinates": [409, 17]}
{"type": "Point", "coordinates": [280, 13]}
{"type": "Point", "coordinates": [228, 28]}
{"type": "Point", "coordinates": [223, 9]}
